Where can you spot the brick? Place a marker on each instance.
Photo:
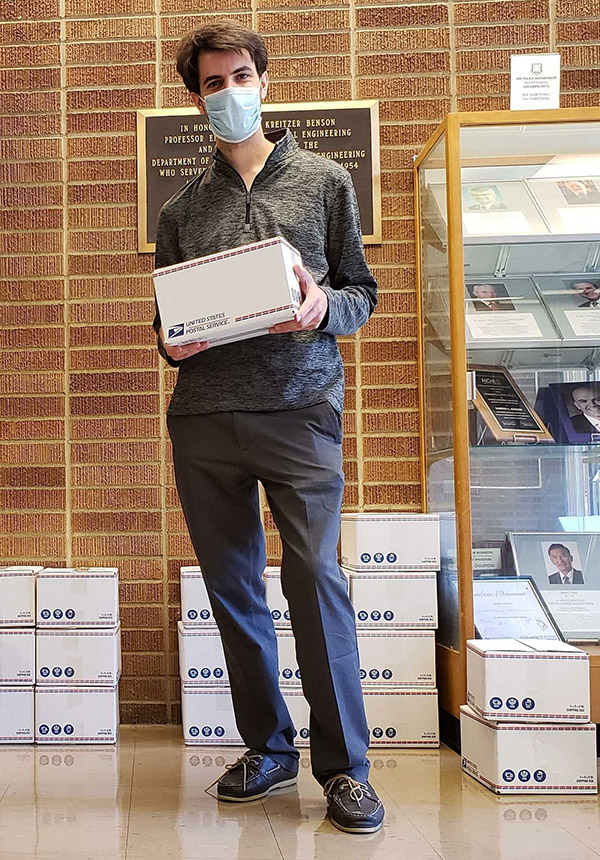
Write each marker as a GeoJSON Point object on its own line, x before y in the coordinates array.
{"type": "Point", "coordinates": [99, 546]}
{"type": "Point", "coordinates": [30, 150]}
{"type": "Point", "coordinates": [32, 452]}
{"type": "Point", "coordinates": [384, 471]}
{"type": "Point", "coordinates": [35, 500]}
{"type": "Point", "coordinates": [26, 56]}
{"type": "Point", "coordinates": [110, 52]}
{"type": "Point", "coordinates": [394, 422]}
{"type": "Point", "coordinates": [102, 193]}
{"type": "Point", "coordinates": [389, 374]}
{"type": "Point", "coordinates": [580, 79]}
{"type": "Point", "coordinates": [99, 264]}
{"type": "Point", "coordinates": [114, 240]}
{"type": "Point", "coordinates": [28, 33]}
{"type": "Point", "coordinates": [282, 45]}
{"type": "Point", "coordinates": [201, 5]}
{"type": "Point", "coordinates": [106, 99]}
{"type": "Point", "coordinates": [32, 383]}
{"type": "Point", "coordinates": [105, 29]}
{"type": "Point", "coordinates": [23, 197]}
{"type": "Point", "coordinates": [395, 64]}
{"type": "Point", "coordinates": [509, 10]}
{"type": "Point", "coordinates": [87, 8]}
{"type": "Point", "coordinates": [115, 428]}
{"type": "Point", "coordinates": [95, 312]}
{"type": "Point", "coordinates": [38, 546]}
{"type": "Point", "coordinates": [514, 34]}
{"type": "Point", "coordinates": [296, 68]}
{"type": "Point", "coordinates": [577, 9]}
{"type": "Point", "coordinates": [177, 27]}
{"type": "Point", "coordinates": [32, 476]}
{"type": "Point", "coordinates": [18, 80]}
{"type": "Point", "coordinates": [29, 126]}
{"type": "Point", "coordinates": [27, 219]}
{"type": "Point", "coordinates": [142, 640]}
{"type": "Point", "coordinates": [138, 713]}
{"type": "Point", "coordinates": [401, 327]}
{"type": "Point", "coordinates": [30, 266]}
{"type": "Point", "coordinates": [115, 452]}
{"type": "Point", "coordinates": [311, 21]}
{"type": "Point", "coordinates": [404, 87]}
{"type": "Point", "coordinates": [141, 592]}
{"type": "Point", "coordinates": [103, 383]}
{"type": "Point", "coordinates": [402, 16]}
{"type": "Point", "coordinates": [100, 122]}
{"type": "Point", "coordinates": [139, 665]}
{"type": "Point", "coordinates": [403, 40]}
{"type": "Point", "coordinates": [118, 335]}
{"type": "Point", "coordinates": [467, 84]}
{"type": "Point", "coordinates": [30, 243]}
{"type": "Point", "coordinates": [111, 287]}
{"type": "Point", "coordinates": [391, 446]}
{"type": "Point", "coordinates": [31, 523]}
{"type": "Point", "coordinates": [81, 359]}
{"type": "Point", "coordinates": [392, 398]}
{"type": "Point", "coordinates": [94, 217]}
{"type": "Point", "coordinates": [101, 170]}
{"type": "Point", "coordinates": [407, 496]}
{"type": "Point", "coordinates": [581, 55]}
{"type": "Point", "coordinates": [116, 404]}
{"type": "Point", "coordinates": [36, 429]}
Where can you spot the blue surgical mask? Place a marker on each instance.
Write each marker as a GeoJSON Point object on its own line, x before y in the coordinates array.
{"type": "Point", "coordinates": [234, 113]}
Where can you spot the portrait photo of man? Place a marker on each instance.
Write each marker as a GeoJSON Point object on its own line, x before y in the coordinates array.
{"type": "Point", "coordinates": [578, 192]}
{"type": "Point", "coordinates": [586, 399]}
{"type": "Point", "coordinates": [589, 290]}
{"type": "Point", "coordinates": [490, 297]}
{"type": "Point", "coordinates": [565, 574]}
{"type": "Point", "coordinates": [483, 198]}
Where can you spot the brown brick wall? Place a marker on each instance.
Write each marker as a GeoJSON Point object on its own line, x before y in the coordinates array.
{"type": "Point", "coordinates": [85, 476]}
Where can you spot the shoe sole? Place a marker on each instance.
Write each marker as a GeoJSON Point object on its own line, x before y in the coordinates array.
{"type": "Point", "coordinates": [373, 829]}
{"type": "Point", "coordinates": [284, 784]}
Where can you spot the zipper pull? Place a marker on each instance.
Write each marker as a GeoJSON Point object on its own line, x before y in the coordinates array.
{"type": "Point", "coordinates": [247, 221]}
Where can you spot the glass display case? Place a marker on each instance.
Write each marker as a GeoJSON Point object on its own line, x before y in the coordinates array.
{"type": "Point", "coordinates": [508, 236]}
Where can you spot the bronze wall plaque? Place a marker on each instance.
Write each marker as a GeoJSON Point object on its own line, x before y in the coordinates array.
{"type": "Point", "coordinates": [175, 144]}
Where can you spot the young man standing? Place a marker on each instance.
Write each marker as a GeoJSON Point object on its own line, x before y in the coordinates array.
{"type": "Point", "coordinates": [269, 409]}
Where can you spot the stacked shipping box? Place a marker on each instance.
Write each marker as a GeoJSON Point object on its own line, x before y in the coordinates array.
{"type": "Point", "coordinates": [76, 648]}
{"type": "Point", "coordinates": [527, 726]}
{"type": "Point", "coordinates": [17, 653]}
{"type": "Point", "coordinates": [395, 603]}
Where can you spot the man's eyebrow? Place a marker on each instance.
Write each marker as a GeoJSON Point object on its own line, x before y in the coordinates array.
{"type": "Point", "coordinates": [218, 77]}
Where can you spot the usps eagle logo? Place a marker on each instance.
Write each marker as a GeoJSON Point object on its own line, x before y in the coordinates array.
{"type": "Point", "coordinates": [177, 330]}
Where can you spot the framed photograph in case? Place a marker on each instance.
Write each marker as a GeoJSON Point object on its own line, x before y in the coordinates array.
{"type": "Point", "coordinates": [572, 411]}
{"type": "Point", "coordinates": [570, 204]}
{"type": "Point", "coordinates": [574, 303]}
{"type": "Point", "coordinates": [506, 312]}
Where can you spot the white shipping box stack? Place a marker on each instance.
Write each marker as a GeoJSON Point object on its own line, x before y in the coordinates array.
{"type": "Point", "coordinates": [526, 728]}
{"type": "Point", "coordinates": [16, 714]}
{"type": "Point", "coordinates": [78, 656]}
{"type": "Point", "coordinates": [196, 610]}
{"type": "Point", "coordinates": [229, 296]}
{"type": "Point", "coordinates": [391, 561]}
{"type": "Point", "coordinates": [17, 656]}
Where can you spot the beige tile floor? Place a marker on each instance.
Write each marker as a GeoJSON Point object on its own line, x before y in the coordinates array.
{"type": "Point", "coordinates": [145, 800]}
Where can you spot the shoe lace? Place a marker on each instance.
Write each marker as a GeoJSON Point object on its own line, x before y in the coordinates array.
{"type": "Point", "coordinates": [357, 789]}
{"type": "Point", "coordinates": [244, 761]}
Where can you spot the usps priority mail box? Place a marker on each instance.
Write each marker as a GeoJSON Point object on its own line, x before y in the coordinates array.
{"type": "Point", "coordinates": [208, 718]}
{"type": "Point", "coordinates": [85, 715]}
{"type": "Point", "coordinates": [17, 656]}
{"type": "Point", "coordinates": [196, 610]}
{"type": "Point", "coordinates": [515, 758]}
{"type": "Point", "coordinates": [79, 657]}
{"type": "Point", "coordinates": [16, 715]}
{"type": "Point", "coordinates": [402, 717]}
{"type": "Point", "coordinates": [397, 657]}
{"type": "Point", "coordinates": [528, 680]}
{"type": "Point", "coordinates": [17, 596]}
{"type": "Point", "coordinates": [85, 597]}
{"type": "Point", "coordinates": [229, 296]}
{"type": "Point", "coordinates": [393, 600]}
{"type": "Point", "coordinates": [375, 541]}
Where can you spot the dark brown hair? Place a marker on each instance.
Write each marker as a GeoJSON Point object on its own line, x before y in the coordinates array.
{"type": "Point", "coordinates": [224, 35]}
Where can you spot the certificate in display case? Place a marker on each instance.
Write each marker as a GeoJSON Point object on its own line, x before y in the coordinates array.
{"type": "Point", "coordinates": [511, 277]}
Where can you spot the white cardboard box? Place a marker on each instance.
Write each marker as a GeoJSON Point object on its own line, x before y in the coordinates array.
{"type": "Point", "coordinates": [529, 680]}
{"type": "Point", "coordinates": [229, 296]}
{"type": "Point", "coordinates": [402, 717]}
{"type": "Point", "coordinates": [196, 610]}
{"type": "Point", "coordinates": [88, 597]}
{"type": "Point", "coordinates": [16, 715]}
{"type": "Point", "coordinates": [84, 715]}
{"type": "Point", "coordinates": [375, 541]}
{"type": "Point", "coordinates": [538, 758]}
{"type": "Point", "coordinates": [202, 661]}
{"type": "Point", "coordinates": [208, 718]}
{"type": "Point", "coordinates": [79, 657]}
{"type": "Point", "coordinates": [17, 656]}
{"type": "Point", "coordinates": [397, 657]}
{"type": "Point", "coordinates": [390, 600]}
{"type": "Point", "coordinates": [17, 596]}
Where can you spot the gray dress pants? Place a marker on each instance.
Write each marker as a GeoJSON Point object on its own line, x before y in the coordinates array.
{"type": "Point", "coordinates": [296, 455]}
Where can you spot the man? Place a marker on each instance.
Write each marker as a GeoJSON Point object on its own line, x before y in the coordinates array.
{"type": "Point", "coordinates": [269, 409]}
{"type": "Point", "coordinates": [579, 191]}
{"type": "Point", "coordinates": [486, 299]}
{"type": "Point", "coordinates": [562, 559]}
{"type": "Point", "coordinates": [485, 199]}
{"type": "Point", "coordinates": [590, 290]}
{"type": "Point", "coordinates": [587, 400]}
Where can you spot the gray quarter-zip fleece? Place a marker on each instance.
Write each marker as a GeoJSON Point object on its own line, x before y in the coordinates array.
{"type": "Point", "coordinates": [310, 201]}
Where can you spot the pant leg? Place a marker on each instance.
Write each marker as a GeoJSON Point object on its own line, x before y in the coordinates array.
{"type": "Point", "coordinates": [219, 497]}
{"type": "Point", "coordinates": [298, 459]}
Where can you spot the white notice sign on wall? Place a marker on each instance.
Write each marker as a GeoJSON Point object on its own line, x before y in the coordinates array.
{"type": "Point", "coordinates": [534, 81]}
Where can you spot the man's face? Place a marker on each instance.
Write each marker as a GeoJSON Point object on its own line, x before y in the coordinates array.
{"type": "Point", "coordinates": [562, 559]}
{"type": "Point", "coordinates": [485, 292]}
{"type": "Point", "coordinates": [587, 399]}
{"type": "Point", "coordinates": [483, 196]}
{"type": "Point", "coordinates": [218, 70]}
{"type": "Point", "coordinates": [576, 187]}
{"type": "Point", "coordinates": [588, 290]}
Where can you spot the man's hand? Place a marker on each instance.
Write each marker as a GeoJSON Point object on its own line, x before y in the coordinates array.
{"type": "Point", "coordinates": [178, 353]}
{"type": "Point", "coordinates": [311, 311]}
